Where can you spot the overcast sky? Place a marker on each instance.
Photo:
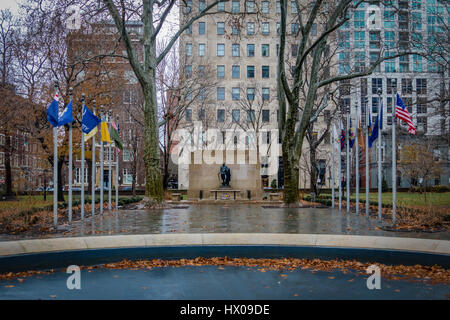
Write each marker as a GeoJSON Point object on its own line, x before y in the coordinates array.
{"type": "Point", "coordinates": [10, 4]}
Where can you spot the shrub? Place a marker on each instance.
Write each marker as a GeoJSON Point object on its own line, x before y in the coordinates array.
{"type": "Point", "coordinates": [273, 184]}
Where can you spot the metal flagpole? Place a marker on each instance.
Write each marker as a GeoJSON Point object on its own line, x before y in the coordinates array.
{"type": "Point", "coordinates": [70, 162]}
{"type": "Point", "coordinates": [55, 168]}
{"type": "Point", "coordinates": [332, 165]}
{"type": "Point", "coordinates": [379, 158]}
{"type": "Point", "coordinates": [101, 164]}
{"type": "Point", "coordinates": [117, 172]}
{"type": "Point", "coordinates": [394, 164]}
{"type": "Point", "coordinates": [357, 161]}
{"type": "Point", "coordinates": [347, 140]}
{"type": "Point", "coordinates": [94, 169]}
{"type": "Point", "coordinates": [367, 159]}
{"type": "Point", "coordinates": [82, 160]}
{"type": "Point", "coordinates": [340, 169]}
{"type": "Point", "coordinates": [109, 163]}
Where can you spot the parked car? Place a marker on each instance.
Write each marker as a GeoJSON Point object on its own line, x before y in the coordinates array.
{"type": "Point", "coordinates": [39, 189]}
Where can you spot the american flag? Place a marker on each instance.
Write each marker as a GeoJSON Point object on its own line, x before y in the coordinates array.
{"type": "Point", "coordinates": [402, 113]}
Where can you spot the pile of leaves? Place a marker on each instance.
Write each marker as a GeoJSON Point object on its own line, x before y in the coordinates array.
{"type": "Point", "coordinates": [433, 274]}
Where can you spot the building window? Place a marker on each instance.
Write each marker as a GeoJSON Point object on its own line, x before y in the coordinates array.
{"type": "Point", "coordinates": [265, 115]}
{"type": "Point", "coordinates": [235, 93]}
{"type": "Point", "coordinates": [126, 155]}
{"type": "Point", "coordinates": [220, 49]}
{"type": "Point", "coordinates": [251, 94]}
{"type": "Point", "coordinates": [407, 86]}
{"type": "Point", "coordinates": [189, 49]}
{"type": "Point", "coordinates": [250, 6]}
{"type": "Point", "coordinates": [235, 6]}
{"type": "Point", "coordinates": [235, 72]}
{"type": "Point", "coordinates": [221, 6]}
{"type": "Point", "coordinates": [188, 115]}
{"type": "Point", "coordinates": [220, 115]}
{"type": "Point", "coordinates": [265, 94]}
{"type": "Point", "coordinates": [250, 71]}
{"type": "Point", "coordinates": [127, 176]}
{"type": "Point", "coordinates": [265, 7]}
{"type": "Point", "coordinates": [294, 28]}
{"type": "Point", "coordinates": [265, 71]}
{"type": "Point", "coordinates": [265, 50]}
{"type": "Point", "coordinates": [250, 50]}
{"type": "Point", "coordinates": [358, 18]}
{"type": "Point", "coordinates": [377, 84]}
{"type": "Point", "coordinates": [250, 28]}
{"type": "Point", "coordinates": [220, 93]}
{"type": "Point", "coordinates": [189, 29]}
{"type": "Point", "coordinates": [421, 86]}
{"type": "Point", "coordinates": [188, 7]}
{"type": "Point", "coordinates": [201, 28]}
{"type": "Point", "coordinates": [221, 72]}
{"type": "Point", "coordinates": [294, 7]}
{"type": "Point", "coordinates": [391, 85]}
{"type": "Point", "coordinates": [220, 28]}
{"type": "Point", "coordinates": [265, 28]}
{"type": "Point", "coordinates": [188, 71]}
{"type": "Point", "coordinates": [278, 7]}
{"type": "Point", "coordinates": [202, 5]}
{"type": "Point", "coordinates": [235, 50]}
{"type": "Point", "coordinates": [201, 49]}
{"type": "Point", "coordinates": [236, 115]}
{"type": "Point", "coordinates": [360, 38]}
{"type": "Point", "coordinates": [2, 158]}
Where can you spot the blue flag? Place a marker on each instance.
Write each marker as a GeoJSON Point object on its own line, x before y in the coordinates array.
{"type": "Point", "coordinates": [90, 120]}
{"type": "Point", "coordinates": [66, 116]}
{"type": "Point", "coordinates": [52, 112]}
{"type": "Point", "coordinates": [374, 134]}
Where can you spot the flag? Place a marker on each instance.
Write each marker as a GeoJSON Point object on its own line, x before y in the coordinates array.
{"type": "Point", "coordinates": [335, 137]}
{"type": "Point", "coordinates": [402, 113]}
{"type": "Point", "coordinates": [374, 132]}
{"type": "Point", "coordinates": [92, 133]}
{"type": "Point", "coordinates": [52, 112]}
{"type": "Point", "coordinates": [342, 136]}
{"type": "Point", "coordinates": [351, 135]}
{"type": "Point", "coordinates": [66, 116]}
{"type": "Point", "coordinates": [104, 133]}
{"type": "Point", "coordinates": [90, 120]}
{"type": "Point", "coordinates": [115, 136]}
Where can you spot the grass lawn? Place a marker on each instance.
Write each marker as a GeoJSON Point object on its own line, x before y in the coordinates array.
{"type": "Point", "coordinates": [407, 199]}
{"type": "Point", "coordinates": [28, 202]}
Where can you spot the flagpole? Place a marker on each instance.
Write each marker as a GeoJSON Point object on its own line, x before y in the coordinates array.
{"type": "Point", "coordinates": [394, 164]}
{"type": "Point", "coordinates": [357, 161]}
{"type": "Point", "coordinates": [347, 140]}
{"type": "Point", "coordinates": [367, 160]}
{"type": "Point", "coordinates": [70, 162]}
{"type": "Point", "coordinates": [82, 160]}
{"type": "Point", "coordinates": [380, 113]}
{"type": "Point", "coordinates": [109, 163]}
{"type": "Point", "coordinates": [340, 168]}
{"type": "Point", "coordinates": [101, 165]}
{"type": "Point", "coordinates": [117, 172]}
{"type": "Point", "coordinates": [94, 169]}
{"type": "Point", "coordinates": [55, 168]}
{"type": "Point", "coordinates": [332, 166]}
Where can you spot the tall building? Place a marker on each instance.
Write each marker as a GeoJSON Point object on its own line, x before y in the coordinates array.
{"type": "Point", "coordinates": [241, 52]}
{"type": "Point", "coordinates": [378, 28]}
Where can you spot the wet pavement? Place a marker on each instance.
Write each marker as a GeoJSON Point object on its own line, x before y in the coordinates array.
{"type": "Point", "coordinates": [212, 282]}
{"type": "Point", "coordinates": [230, 218]}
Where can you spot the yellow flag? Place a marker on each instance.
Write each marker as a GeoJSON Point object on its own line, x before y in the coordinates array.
{"type": "Point", "coordinates": [92, 133]}
{"type": "Point", "coordinates": [105, 133]}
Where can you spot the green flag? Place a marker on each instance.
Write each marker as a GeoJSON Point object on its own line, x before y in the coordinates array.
{"type": "Point", "coordinates": [115, 136]}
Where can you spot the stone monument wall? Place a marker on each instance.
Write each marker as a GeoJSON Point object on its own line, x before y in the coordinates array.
{"type": "Point", "coordinates": [205, 176]}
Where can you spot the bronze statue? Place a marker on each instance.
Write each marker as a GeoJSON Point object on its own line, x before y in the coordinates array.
{"type": "Point", "coordinates": [225, 175]}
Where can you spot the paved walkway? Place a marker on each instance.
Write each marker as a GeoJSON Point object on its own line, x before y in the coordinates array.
{"type": "Point", "coordinates": [232, 219]}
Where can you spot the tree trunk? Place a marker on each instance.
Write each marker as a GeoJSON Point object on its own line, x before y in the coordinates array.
{"type": "Point", "coordinates": [8, 175]}
{"type": "Point", "coordinates": [153, 180]}
{"type": "Point", "coordinates": [291, 176]}
{"type": "Point", "coordinates": [313, 171]}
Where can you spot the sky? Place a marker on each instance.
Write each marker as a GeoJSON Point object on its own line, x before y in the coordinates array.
{"type": "Point", "coordinates": [9, 4]}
